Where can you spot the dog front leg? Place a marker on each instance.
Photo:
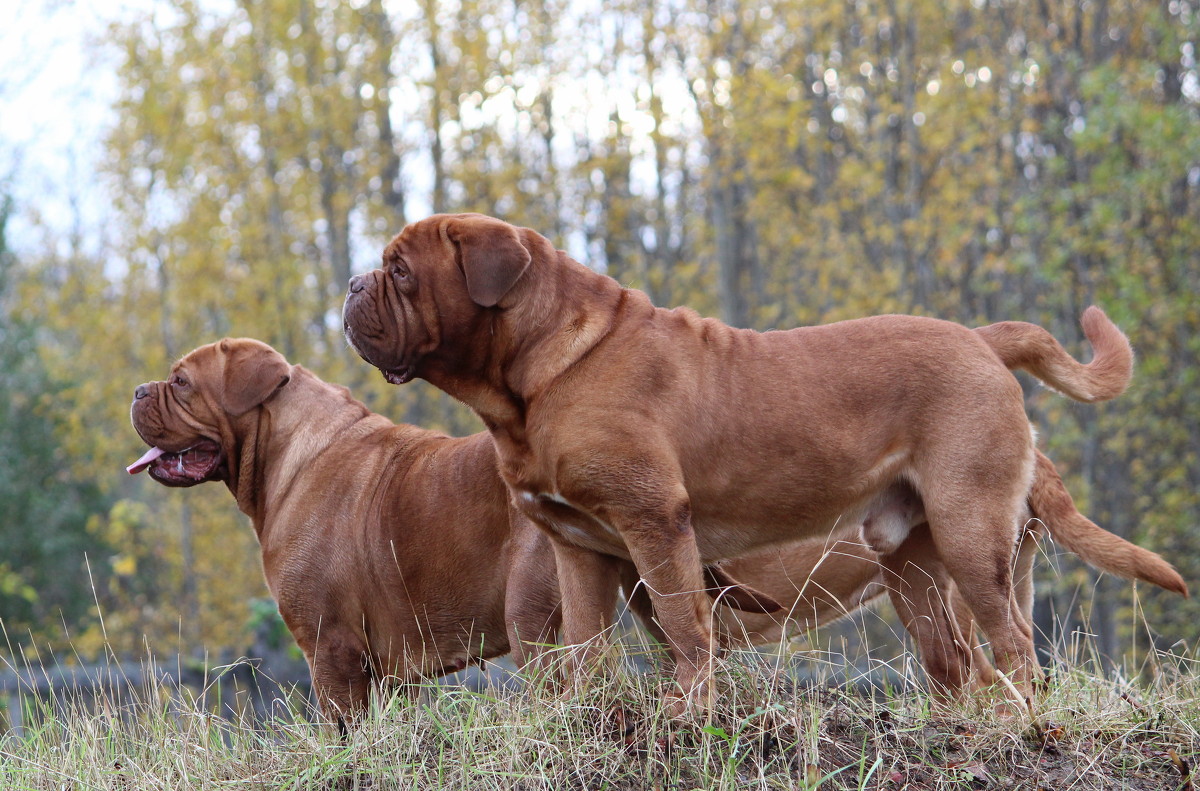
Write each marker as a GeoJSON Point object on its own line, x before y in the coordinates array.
{"type": "Point", "coordinates": [588, 581]}
{"type": "Point", "coordinates": [668, 560]}
{"type": "Point", "coordinates": [341, 676]}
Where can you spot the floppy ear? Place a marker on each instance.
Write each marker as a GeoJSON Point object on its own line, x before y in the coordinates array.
{"type": "Point", "coordinates": [492, 256]}
{"type": "Point", "coordinates": [253, 372]}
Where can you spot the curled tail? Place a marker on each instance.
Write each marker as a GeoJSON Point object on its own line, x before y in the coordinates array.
{"type": "Point", "coordinates": [1027, 346]}
{"type": "Point", "coordinates": [1052, 504]}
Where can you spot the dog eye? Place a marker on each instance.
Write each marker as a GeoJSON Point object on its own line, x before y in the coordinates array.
{"type": "Point", "coordinates": [178, 381]}
{"type": "Point", "coordinates": [400, 274]}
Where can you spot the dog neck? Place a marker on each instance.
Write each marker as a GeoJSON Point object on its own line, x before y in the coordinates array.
{"type": "Point", "coordinates": [246, 476]}
{"type": "Point", "coordinates": [265, 462]}
{"type": "Point", "coordinates": [539, 333]}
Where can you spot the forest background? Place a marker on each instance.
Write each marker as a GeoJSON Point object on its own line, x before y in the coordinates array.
{"type": "Point", "coordinates": [771, 163]}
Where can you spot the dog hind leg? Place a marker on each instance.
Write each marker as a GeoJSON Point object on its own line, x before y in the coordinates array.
{"type": "Point", "coordinates": [982, 570]}
{"type": "Point", "coordinates": [921, 591]}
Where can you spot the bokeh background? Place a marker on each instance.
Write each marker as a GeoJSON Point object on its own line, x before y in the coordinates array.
{"type": "Point", "coordinates": [175, 171]}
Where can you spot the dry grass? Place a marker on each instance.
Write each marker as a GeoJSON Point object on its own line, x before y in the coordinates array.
{"type": "Point", "coordinates": [766, 732]}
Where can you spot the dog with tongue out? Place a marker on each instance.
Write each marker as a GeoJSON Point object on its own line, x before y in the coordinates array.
{"type": "Point", "coordinates": [389, 549]}
{"type": "Point", "coordinates": [190, 466]}
{"type": "Point", "coordinates": [189, 424]}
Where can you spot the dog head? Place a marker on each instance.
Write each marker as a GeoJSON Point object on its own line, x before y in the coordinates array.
{"type": "Point", "coordinates": [440, 280]}
{"type": "Point", "coordinates": [191, 419]}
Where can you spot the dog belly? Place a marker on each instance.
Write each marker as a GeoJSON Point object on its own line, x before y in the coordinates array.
{"type": "Point", "coordinates": [432, 645]}
{"type": "Point", "coordinates": [720, 538]}
{"type": "Point", "coordinates": [807, 486]}
{"type": "Point", "coordinates": [420, 660]}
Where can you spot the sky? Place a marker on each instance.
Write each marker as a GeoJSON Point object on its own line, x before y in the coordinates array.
{"type": "Point", "coordinates": [56, 87]}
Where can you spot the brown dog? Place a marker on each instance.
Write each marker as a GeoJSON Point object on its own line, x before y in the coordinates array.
{"type": "Point", "coordinates": [406, 577]}
{"type": "Point", "coordinates": [630, 431]}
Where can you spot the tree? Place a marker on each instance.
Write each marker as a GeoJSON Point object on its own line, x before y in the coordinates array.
{"type": "Point", "coordinates": [45, 595]}
{"type": "Point", "coordinates": [775, 163]}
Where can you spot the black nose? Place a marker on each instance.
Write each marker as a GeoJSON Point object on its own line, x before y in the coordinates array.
{"type": "Point", "coordinates": [142, 391]}
{"type": "Point", "coordinates": [357, 284]}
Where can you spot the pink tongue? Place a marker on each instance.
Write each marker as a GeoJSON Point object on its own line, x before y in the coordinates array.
{"type": "Point", "coordinates": [145, 461]}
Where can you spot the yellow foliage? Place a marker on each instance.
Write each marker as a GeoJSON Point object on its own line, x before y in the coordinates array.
{"type": "Point", "coordinates": [775, 164]}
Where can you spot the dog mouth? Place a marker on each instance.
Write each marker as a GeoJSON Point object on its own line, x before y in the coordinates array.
{"type": "Point", "coordinates": [397, 376]}
{"type": "Point", "coordinates": [201, 462]}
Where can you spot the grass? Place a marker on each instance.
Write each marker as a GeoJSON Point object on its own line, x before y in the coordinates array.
{"type": "Point", "coordinates": [767, 731]}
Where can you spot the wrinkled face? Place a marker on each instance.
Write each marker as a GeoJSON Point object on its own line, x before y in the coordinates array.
{"type": "Point", "coordinates": [390, 315]}
{"type": "Point", "coordinates": [187, 419]}
{"type": "Point", "coordinates": [437, 280]}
